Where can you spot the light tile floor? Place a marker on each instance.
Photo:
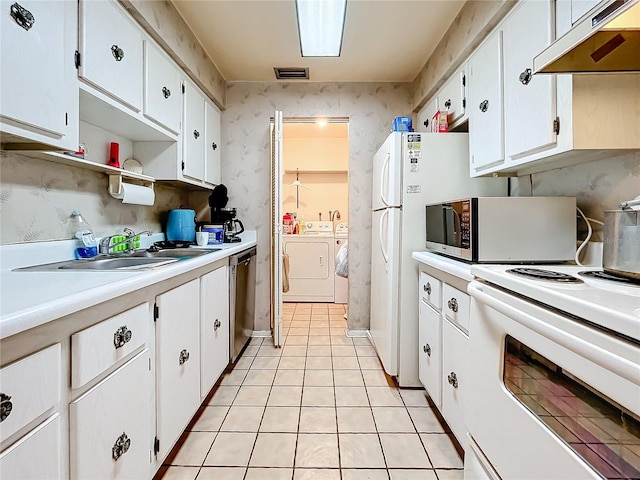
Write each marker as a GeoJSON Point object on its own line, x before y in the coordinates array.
{"type": "Point", "coordinates": [320, 408]}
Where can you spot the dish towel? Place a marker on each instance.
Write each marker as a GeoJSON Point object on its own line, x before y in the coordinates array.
{"type": "Point", "coordinates": [285, 273]}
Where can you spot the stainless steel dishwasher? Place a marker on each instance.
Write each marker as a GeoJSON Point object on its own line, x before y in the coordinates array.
{"type": "Point", "coordinates": [242, 299]}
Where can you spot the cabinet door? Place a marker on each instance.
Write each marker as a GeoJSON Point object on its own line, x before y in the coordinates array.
{"type": "Point", "coordinates": [33, 64]}
{"type": "Point", "coordinates": [110, 425]}
{"type": "Point", "coordinates": [214, 328]}
{"type": "Point", "coordinates": [454, 357]}
{"type": "Point", "coordinates": [36, 456]}
{"type": "Point", "coordinates": [430, 353]}
{"type": "Point", "coordinates": [111, 47]}
{"type": "Point", "coordinates": [178, 361]}
{"type": "Point", "coordinates": [452, 97]}
{"type": "Point", "coordinates": [212, 162]}
{"type": "Point", "coordinates": [580, 7]}
{"type": "Point", "coordinates": [529, 100]}
{"type": "Point", "coordinates": [162, 89]}
{"type": "Point", "coordinates": [486, 121]}
{"type": "Point", "coordinates": [425, 116]}
{"type": "Point", "coordinates": [193, 134]}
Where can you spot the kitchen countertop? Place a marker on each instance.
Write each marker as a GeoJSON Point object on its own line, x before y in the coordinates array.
{"type": "Point", "coordinates": [29, 299]}
{"type": "Point", "coordinates": [449, 265]}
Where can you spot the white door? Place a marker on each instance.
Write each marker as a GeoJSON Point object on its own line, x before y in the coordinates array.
{"type": "Point", "coordinates": [212, 173]}
{"type": "Point", "coordinates": [385, 260]}
{"type": "Point", "coordinates": [276, 229]}
{"type": "Point", "coordinates": [193, 133]}
{"type": "Point", "coordinates": [162, 89]}
{"type": "Point", "coordinates": [430, 353]}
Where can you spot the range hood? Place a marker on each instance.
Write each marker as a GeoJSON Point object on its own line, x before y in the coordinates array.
{"type": "Point", "coordinates": [605, 40]}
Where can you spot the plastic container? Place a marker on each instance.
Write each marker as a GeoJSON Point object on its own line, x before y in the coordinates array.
{"type": "Point", "coordinates": [402, 124]}
{"type": "Point", "coordinates": [287, 224]}
{"type": "Point", "coordinates": [81, 232]}
{"type": "Point", "coordinates": [216, 234]}
{"type": "Point", "coordinates": [303, 225]}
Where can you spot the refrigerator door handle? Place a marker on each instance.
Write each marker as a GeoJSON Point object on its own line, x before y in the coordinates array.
{"type": "Point", "coordinates": [385, 254]}
{"type": "Point", "coordinates": [385, 169]}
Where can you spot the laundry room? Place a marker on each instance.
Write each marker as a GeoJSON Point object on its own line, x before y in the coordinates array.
{"type": "Point", "coordinates": [315, 207]}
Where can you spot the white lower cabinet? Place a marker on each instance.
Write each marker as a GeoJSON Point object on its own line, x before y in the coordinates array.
{"type": "Point", "coordinates": [36, 456]}
{"type": "Point", "coordinates": [214, 327]}
{"type": "Point", "coordinates": [454, 356]}
{"type": "Point", "coordinates": [430, 353]}
{"type": "Point", "coordinates": [110, 425]}
{"type": "Point", "coordinates": [177, 362]}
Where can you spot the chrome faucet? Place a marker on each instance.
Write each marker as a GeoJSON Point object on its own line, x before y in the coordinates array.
{"type": "Point", "coordinates": [334, 214]}
{"type": "Point", "coordinates": [106, 246]}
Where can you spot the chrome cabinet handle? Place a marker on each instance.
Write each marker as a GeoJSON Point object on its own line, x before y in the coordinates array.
{"type": "Point", "coordinates": [427, 349]}
{"type": "Point", "coordinates": [166, 92]}
{"type": "Point", "coordinates": [121, 446]}
{"type": "Point", "coordinates": [453, 304]}
{"type": "Point", "coordinates": [484, 106]}
{"type": "Point", "coordinates": [426, 122]}
{"type": "Point", "coordinates": [122, 336]}
{"type": "Point", "coordinates": [447, 104]}
{"type": "Point", "coordinates": [117, 53]}
{"type": "Point", "coordinates": [22, 16]}
{"type": "Point", "coordinates": [427, 288]}
{"type": "Point", "coordinates": [214, 146]}
{"type": "Point", "coordinates": [216, 325]}
{"type": "Point", "coordinates": [453, 379]}
{"type": "Point", "coordinates": [525, 76]}
{"type": "Point", "coordinates": [184, 356]}
{"type": "Point", "coordinates": [5, 406]}
{"type": "Point", "coordinates": [196, 134]}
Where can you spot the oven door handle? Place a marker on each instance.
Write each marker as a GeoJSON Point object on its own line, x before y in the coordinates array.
{"type": "Point", "coordinates": [630, 371]}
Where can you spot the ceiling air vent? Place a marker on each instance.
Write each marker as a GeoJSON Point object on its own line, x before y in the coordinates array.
{"type": "Point", "coordinates": [291, 73]}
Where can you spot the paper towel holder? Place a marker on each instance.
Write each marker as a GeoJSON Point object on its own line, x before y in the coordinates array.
{"type": "Point", "coordinates": [115, 184]}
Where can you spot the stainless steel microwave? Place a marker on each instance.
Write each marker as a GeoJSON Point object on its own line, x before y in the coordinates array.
{"type": "Point", "coordinates": [504, 229]}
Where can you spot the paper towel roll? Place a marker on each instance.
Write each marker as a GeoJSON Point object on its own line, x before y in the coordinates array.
{"type": "Point", "coordinates": [135, 194]}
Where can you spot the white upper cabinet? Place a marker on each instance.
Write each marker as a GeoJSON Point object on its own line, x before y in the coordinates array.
{"type": "Point", "coordinates": [425, 115]}
{"type": "Point", "coordinates": [193, 135]}
{"type": "Point", "coordinates": [162, 89]}
{"type": "Point", "coordinates": [580, 7]}
{"type": "Point", "coordinates": [111, 52]}
{"type": "Point", "coordinates": [212, 162]}
{"type": "Point", "coordinates": [38, 98]}
{"type": "Point", "coordinates": [486, 119]}
{"type": "Point", "coordinates": [452, 97]}
{"type": "Point", "coordinates": [529, 100]}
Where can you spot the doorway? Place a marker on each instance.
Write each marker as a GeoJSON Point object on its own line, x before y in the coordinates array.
{"type": "Point", "coordinates": [315, 197]}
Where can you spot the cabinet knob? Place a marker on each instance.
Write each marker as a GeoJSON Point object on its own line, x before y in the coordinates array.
{"type": "Point", "coordinates": [427, 349]}
{"type": "Point", "coordinates": [121, 446]}
{"type": "Point", "coordinates": [447, 104]}
{"type": "Point", "coordinates": [214, 146]}
{"type": "Point", "coordinates": [452, 378]}
{"type": "Point", "coordinates": [196, 134]}
{"type": "Point", "coordinates": [216, 325]}
{"type": "Point", "coordinates": [426, 122]}
{"type": "Point", "coordinates": [427, 288]}
{"type": "Point", "coordinates": [184, 356]}
{"type": "Point", "coordinates": [22, 16]}
{"type": "Point", "coordinates": [166, 92]}
{"type": "Point", "coordinates": [117, 52]}
{"type": "Point", "coordinates": [453, 304]}
{"type": "Point", "coordinates": [122, 336]}
{"type": "Point", "coordinates": [5, 406]}
{"type": "Point", "coordinates": [525, 77]}
{"type": "Point", "coordinates": [484, 106]}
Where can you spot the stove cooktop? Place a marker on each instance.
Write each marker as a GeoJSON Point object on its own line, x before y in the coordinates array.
{"type": "Point", "coordinates": [611, 304]}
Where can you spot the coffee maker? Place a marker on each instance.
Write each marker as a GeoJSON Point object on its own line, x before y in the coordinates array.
{"type": "Point", "coordinates": [221, 215]}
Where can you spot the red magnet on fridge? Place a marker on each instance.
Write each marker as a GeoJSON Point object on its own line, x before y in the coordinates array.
{"type": "Point", "coordinates": [114, 155]}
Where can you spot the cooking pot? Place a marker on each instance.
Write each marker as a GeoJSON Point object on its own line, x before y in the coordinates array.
{"type": "Point", "coordinates": [621, 248]}
{"type": "Point", "coordinates": [181, 225]}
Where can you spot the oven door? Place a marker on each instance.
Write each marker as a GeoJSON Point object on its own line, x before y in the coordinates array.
{"type": "Point", "coordinates": [551, 397]}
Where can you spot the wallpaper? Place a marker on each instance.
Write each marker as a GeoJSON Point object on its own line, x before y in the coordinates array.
{"type": "Point", "coordinates": [246, 165]}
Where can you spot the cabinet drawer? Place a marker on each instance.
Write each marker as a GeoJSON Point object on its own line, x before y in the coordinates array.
{"type": "Point", "coordinates": [456, 306]}
{"type": "Point", "coordinates": [110, 425]}
{"type": "Point", "coordinates": [430, 288]}
{"type": "Point", "coordinates": [29, 388]}
{"type": "Point", "coordinates": [97, 348]}
{"type": "Point", "coordinates": [36, 456]}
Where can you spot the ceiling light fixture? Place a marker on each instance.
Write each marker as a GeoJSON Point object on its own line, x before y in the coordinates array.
{"type": "Point", "coordinates": [321, 26]}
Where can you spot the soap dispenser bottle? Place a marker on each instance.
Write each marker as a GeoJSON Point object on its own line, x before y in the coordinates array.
{"type": "Point", "coordinates": [86, 245]}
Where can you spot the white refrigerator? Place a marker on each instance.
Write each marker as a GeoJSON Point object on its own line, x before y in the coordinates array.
{"type": "Point", "coordinates": [410, 170]}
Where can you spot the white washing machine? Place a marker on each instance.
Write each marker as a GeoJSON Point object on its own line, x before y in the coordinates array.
{"type": "Point", "coordinates": [341, 284]}
{"type": "Point", "coordinates": [311, 264]}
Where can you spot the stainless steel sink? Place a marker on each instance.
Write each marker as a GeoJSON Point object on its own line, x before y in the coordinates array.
{"type": "Point", "coordinates": [142, 259]}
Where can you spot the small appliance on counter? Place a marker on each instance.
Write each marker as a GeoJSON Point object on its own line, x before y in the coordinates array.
{"type": "Point", "coordinates": [181, 225]}
{"type": "Point", "coordinates": [225, 216]}
{"type": "Point", "coordinates": [622, 240]}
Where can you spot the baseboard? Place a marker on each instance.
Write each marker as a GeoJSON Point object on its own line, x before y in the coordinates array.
{"type": "Point", "coordinates": [261, 333]}
{"type": "Point", "coordinates": [356, 333]}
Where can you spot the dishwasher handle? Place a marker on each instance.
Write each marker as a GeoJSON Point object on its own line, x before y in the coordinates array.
{"type": "Point", "coordinates": [242, 257]}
